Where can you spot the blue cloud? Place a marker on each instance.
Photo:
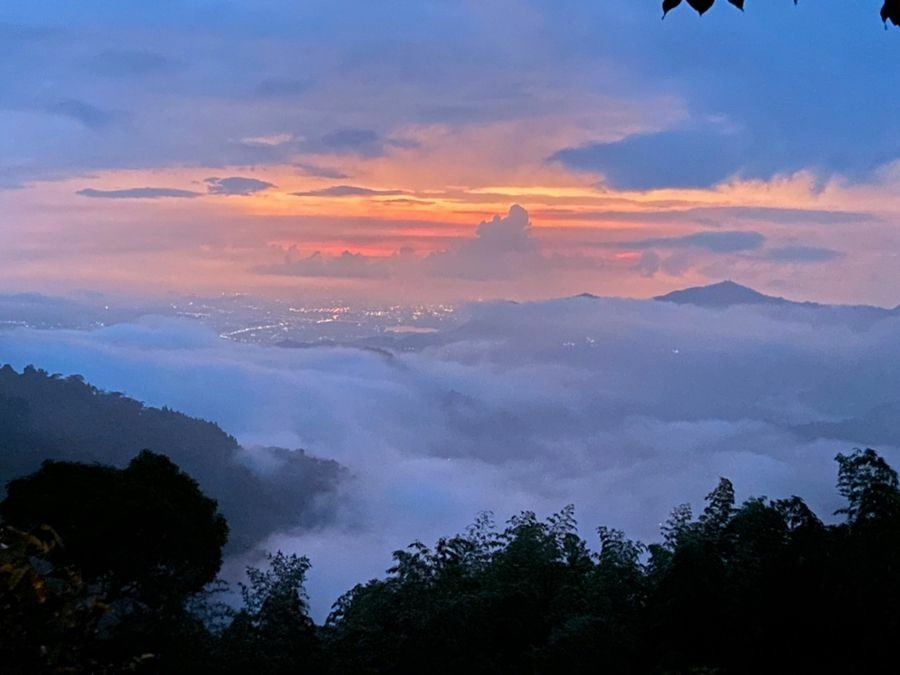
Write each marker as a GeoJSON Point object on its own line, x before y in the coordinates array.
{"type": "Point", "coordinates": [139, 193]}
{"type": "Point", "coordinates": [731, 241]}
{"type": "Point", "coordinates": [282, 88]}
{"type": "Point", "coordinates": [87, 114]}
{"type": "Point", "coordinates": [236, 185]}
{"type": "Point", "coordinates": [17, 34]}
{"type": "Point", "coordinates": [679, 159]}
{"type": "Point", "coordinates": [805, 86]}
{"type": "Point", "coordinates": [129, 63]}
{"type": "Point", "coordinates": [798, 87]}
{"type": "Point", "coordinates": [317, 171]}
{"type": "Point", "coordinates": [357, 141]}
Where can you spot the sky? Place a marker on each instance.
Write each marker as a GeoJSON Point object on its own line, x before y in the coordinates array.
{"type": "Point", "coordinates": [448, 149]}
{"type": "Point", "coordinates": [460, 150]}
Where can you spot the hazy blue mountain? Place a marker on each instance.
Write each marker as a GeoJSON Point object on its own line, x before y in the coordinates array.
{"type": "Point", "coordinates": [723, 294]}
{"type": "Point", "coordinates": [877, 426]}
{"type": "Point", "coordinates": [727, 294]}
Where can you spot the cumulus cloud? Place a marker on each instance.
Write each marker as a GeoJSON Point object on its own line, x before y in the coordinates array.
{"type": "Point", "coordinates": [625, 408]}
{"type": "Point", "coordinates": [139, 193]}
{"type": "Point", "coordinates": [236, 185]}
{"type": "Point", "coordinates": [503, 247]}
{"type": "Point", "coordinates": [509, 233]}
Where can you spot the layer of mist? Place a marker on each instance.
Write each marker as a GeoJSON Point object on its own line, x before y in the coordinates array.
{"type": "Point", "coordinates": [621, 407]}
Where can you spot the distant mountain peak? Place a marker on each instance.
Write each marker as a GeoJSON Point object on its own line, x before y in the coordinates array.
{"type": "Point", "coordinates": [722, 294]}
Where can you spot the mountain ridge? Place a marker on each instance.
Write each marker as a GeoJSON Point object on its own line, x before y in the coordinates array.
{"type": "Point", "coordinates": [729, 293]}
{"type": "Point", "coordinates": [724, 294]}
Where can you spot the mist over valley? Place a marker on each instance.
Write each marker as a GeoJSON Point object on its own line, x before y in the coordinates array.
{"type": "Point", "coordinates": [621, 407]}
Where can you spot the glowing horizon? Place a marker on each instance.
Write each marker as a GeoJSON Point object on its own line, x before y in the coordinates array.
{"type": "Point", "coordinates": [165, 154]}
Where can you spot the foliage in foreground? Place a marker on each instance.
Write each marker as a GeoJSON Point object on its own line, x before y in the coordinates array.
{"type": "Point", "coordinates": [760, 587]}
{"type": "Point", "coordinates": [97, 563]}
{"type": "Point", "coordinates": [890, 10]}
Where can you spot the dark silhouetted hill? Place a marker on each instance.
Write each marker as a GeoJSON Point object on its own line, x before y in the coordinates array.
{"type": "Point", "coordinates": [44, 416]}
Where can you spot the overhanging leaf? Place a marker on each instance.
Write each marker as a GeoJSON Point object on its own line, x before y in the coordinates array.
{"type": "Point", "coordinates": [701, 6]}
{"type": "Point", "coordinates": [890, 11]}
{"type": "Point", "coordinates": [669, 5]}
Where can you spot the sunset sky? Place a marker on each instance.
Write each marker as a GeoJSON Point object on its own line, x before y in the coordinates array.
{"type": "Point", "coordinates": [449, 149]}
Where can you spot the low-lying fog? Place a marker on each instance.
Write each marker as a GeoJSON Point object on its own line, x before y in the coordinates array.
{"type": "Point", "coordinates": [624, 408]}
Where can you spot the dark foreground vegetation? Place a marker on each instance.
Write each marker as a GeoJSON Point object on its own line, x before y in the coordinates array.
{"type": "Point", "coordinates": [890, 10]}
{"type": "Point", "coordinates": [107, 570]}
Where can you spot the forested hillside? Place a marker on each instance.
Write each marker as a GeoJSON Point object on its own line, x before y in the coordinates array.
{"type": "Point", "coordinates": [760, 587]}
{"type": "Point", "coordinates": [44, 416]}
{"type": "Point", "coordinates": [110, 585]}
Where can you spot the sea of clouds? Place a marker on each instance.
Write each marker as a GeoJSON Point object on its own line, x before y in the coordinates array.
{"type": "Point", "coordinates": [624, 408]}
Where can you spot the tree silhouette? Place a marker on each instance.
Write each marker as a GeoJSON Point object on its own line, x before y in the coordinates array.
{"type": "Point", "coordinates": [97, 565]}
{"type": "Point", "coordinates": [890, 11]}
{"type": "Point", "coordinates": [762, 586]}
{"type": "Point", "coordinates": [869, 485]}
{"type": "Point", "coordinates": [756, 587]}
{"type": "Point", "coordinates": [47, 613]}
{"type": "Point", "coordinates": [146, 532]}
{"type": "Point", "coordinates": [272, 633]}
